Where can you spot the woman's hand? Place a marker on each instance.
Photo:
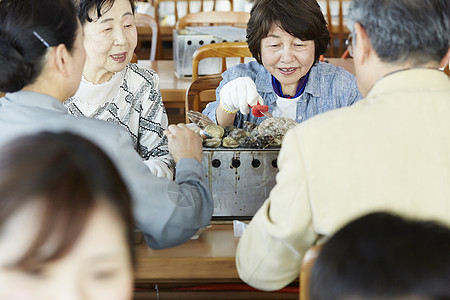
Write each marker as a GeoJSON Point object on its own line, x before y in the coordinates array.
{"type": "Point", "coordinates": [238, 94]}
{"type": "Point", "coordinates": [183, 142]}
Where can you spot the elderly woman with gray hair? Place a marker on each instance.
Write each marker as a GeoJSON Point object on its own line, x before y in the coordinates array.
{"type": "Point", "coordinates": [114, 90]}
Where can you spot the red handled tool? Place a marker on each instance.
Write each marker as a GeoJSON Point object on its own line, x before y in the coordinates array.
{"type": "Point", "coordinates": [259, 111]}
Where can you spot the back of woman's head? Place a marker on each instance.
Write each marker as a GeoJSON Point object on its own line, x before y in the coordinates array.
{"type": "Point", "coordinates": [27, 29]}
{"type": "Point", "coordinates": [68, 176]}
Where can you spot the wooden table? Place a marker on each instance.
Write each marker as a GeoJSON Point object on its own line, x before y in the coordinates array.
{"type": "Point", "coordinates": [202, 268]}
{"type": "Point", "coordinates": [196, 260]}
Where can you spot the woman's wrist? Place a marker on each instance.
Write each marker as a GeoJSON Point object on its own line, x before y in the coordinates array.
{"type": "Point", "coordinates": [228, 109]}
{"type": "Point", "coordinates": [224, 118]}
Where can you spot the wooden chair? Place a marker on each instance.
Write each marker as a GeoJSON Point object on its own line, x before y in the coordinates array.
{"type": "Point", "coordinates": [166, 31]}
{"type": "Point", "coordinates": [221, 50]}
{"type": "Point", "coordinates": [200, 92]}
{"type": "Point", "coordinates": [337, 29]}
{"type": "Point", "coordinates": [147, 30]}
{"type": "Point", "coordinates": [134, 59]}
{"type": "Point", "coordinates": [346, 63]}
{"type": "Point", "coordinates": [305, 270]}
{"type": "Point", "coordinates": [210, 18]}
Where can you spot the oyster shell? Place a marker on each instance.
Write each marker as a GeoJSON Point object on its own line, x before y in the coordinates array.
{"type": "Point", "coordinates": [238, 133]}
{"type": "Point", "coordinates": [213, 131]}
{"type": "Point", "coordinates": [270, 132]}
{"type": "Point", "coordinates": [276, 126]}
{"type": "Point", "coordinates": [249, 142]}
{"type": "Point", "coordinates": [199, 119]}
{"type": "Point", "coordinates": [212, 142]}
{"type": "Point", "coordinates": [229, 129]}
{"type": "Point", "coordinates": [249, 126]}
{"type": "Point", "coordinates": [263, 142]}
{"type": "Point", "coordinates": [229, 142]}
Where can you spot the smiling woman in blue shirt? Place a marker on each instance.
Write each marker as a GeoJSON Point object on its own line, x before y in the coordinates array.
{"type": "Point", "coordinates": [286, 37]}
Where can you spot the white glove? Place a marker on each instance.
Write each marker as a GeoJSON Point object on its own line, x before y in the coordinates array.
{"type": "Point", "coordinates": [238, 94]}
{"type": "Point", "coordinates": [159, 168]}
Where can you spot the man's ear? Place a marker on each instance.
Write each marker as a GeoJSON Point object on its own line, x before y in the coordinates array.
{"type": "Point", "coordinates": [445, 61]}
{"type": "Point", "coordinates": [62, 59]}
{"type": "Point", "coordinates": [362, 45]}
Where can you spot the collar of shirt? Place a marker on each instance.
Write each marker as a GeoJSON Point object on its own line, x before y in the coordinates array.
{"type": "Point", "coordinates": [300, 87]}
{"type": "Point", "coordinates": [98, 94]}
{"type": "Point", "coordinates": [263, 82]}
{"type": "Point", "coordinates": [29, 98]}
{"type": "Point", "coordinates": [410, 80]}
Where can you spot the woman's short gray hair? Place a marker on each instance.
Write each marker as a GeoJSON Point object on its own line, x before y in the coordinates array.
{"type": "Point", "coordinates": [404, 30]}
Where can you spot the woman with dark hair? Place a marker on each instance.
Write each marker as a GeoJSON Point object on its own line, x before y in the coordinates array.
{"type": "Point", "coordinates": [42, 58]}
{"type": "Point", "coordinates": [114, 90]}
{"type": "Point", "coordinates": [27, 35]}
{"type": "Point", "coordinates": [65, 221]}
{"type": "Point", "coordinates": [286, 37]}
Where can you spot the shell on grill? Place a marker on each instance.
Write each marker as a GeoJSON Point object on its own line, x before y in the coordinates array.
{"type": "Point", "coordinates": [212, 142]}
{"type": "Point", "coordinates": [269, 133]}
{"type": "Point", "coordinates": [199, 119]}
{"type": "Point", "coordinates": [238, 133]}
{"type": "Point", "coordinates": [276, 128]}
{"type": "Point", "coordinates": [229, 142]}
{"type": "Point", "coordinates": [213, 131]}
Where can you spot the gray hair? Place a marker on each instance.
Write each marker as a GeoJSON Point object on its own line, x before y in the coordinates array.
{"type": "Point", "coordinates": [404, 30]}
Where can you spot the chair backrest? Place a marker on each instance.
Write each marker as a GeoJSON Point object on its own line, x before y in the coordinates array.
{"type": "Point", "coordinates": [336, 24]}
{"type": "Point", "coordinates": [305, 270]}
{"type": "Point", "coordinates": [194, 101]}
{"type": "Point", "coordinates": [134, 59]}
{"type": "Point", "coordinates": [176, 13]}
{"type": "Point", "coordinates": [221, 50]}
{"type": "Point", "coordinates": [147, 29]}
{"type": "Point", "coordinates": [346, 63]}
{"type": "Point", "coordinates": [210, 18]}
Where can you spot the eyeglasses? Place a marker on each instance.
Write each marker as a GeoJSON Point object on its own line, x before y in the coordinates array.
{"type": "Point", "coordinates": [349, 43]}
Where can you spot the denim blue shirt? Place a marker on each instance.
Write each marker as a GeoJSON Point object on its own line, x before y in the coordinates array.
{"type": "Point", "coordinates": [328, 87]}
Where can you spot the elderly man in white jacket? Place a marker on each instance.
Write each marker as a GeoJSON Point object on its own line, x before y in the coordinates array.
{"type": "Point", "coordinates": [390, 151]}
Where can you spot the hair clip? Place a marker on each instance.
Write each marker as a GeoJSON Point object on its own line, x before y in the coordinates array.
{"type": "Point", "coordinates": [41, 39]}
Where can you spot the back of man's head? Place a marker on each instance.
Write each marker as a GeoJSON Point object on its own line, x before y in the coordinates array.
{"type": "Point", "coordinates": [382, 256]}
{"type": "Point", "coordinates": [417, 31]}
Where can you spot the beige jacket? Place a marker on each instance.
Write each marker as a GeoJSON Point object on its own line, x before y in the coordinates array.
{"type": "Point", "coordinates": [390, 152]}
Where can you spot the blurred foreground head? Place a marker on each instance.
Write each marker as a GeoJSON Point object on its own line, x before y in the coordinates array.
{"type": "Point", "coordinates": [382, 256]}
{"type": "Point", "coordinates": [65, 221]}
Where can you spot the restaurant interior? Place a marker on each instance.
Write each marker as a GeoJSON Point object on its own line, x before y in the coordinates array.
{"type": "Point", "coordinates": [177, 39]}
{"type": "Point", "coordinates": [204, 268]}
